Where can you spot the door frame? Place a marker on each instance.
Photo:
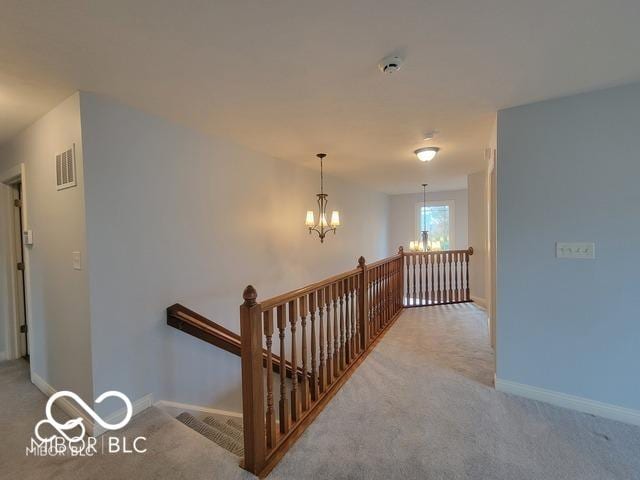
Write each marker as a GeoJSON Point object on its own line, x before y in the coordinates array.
{"type": "Point", "coordinates": [10, 177]}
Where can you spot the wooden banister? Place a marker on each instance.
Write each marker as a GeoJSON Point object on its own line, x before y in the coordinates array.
{"type": "Point", "coordinates": [352, 311]}
{"type": "Point", "coordinates": [188, 321]}
{"type": "Point", "coordinates": [326, 329]}
{"type": "Point", "coordinates": [180, 317]}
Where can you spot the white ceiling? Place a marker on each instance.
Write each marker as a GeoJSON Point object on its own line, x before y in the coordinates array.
{"type": "Point", "coordinates": [291, 78]}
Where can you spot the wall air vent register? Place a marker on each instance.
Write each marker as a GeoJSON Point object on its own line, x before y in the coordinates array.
{"type": "Point", "coordinates": [66, 169]}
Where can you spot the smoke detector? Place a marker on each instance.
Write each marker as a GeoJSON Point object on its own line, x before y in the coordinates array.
{"type": "Point", "coordinates": [390, 64]}
{"type": "Point", "coordinates": [430, 135]}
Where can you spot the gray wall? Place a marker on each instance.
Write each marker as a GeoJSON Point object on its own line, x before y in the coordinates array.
{"type": "Point", "coordinates": [58, 304]}
{"type": "Point", "coordinates": [176, 216]}
{"type": "Point", "coordinates": [402, 221]}
{"type": "Point", "coordinates": [568, 170]}
{"type": "Point", "coordinates": [478, 227]}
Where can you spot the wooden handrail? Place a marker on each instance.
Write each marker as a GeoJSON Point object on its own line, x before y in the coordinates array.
{"type": "Point", "coordinates": [196, 325]}
{"type": "Point", "coordinates": [286, 297]}
{"type": "Point", "coordinates": [182, 318]}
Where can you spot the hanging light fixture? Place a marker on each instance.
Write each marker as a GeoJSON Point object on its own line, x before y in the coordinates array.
{"type": "Point", "coordinates": [422, 245]}
{"type": "Point", "coordinates": [322, 227]}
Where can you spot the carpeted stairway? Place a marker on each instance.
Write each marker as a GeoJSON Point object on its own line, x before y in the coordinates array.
{"type": "Point", "coordinates": [227, 434]}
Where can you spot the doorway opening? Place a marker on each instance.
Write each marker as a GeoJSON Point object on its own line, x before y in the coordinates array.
{"type": "Point", "coordinates": [20, 300]}
{"type": "Point", "coordinates": [14, 263]}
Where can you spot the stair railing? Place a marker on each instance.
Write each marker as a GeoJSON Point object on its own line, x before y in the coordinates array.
{"type": "Point", "coordinates": [436, 278]}
{"type": "Point", "coordinates": [322, 332]}
{"type": "Point", "coordinates": [326, 329]}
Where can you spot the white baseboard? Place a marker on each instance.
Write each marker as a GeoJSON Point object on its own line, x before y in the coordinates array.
{"type": "Point", "coordinates": [67, 406]}
{"type": "Point", "coordinates": [175, 408]}
{"type": "Point", "coordinates": [572, 402]}
{"type": "Point", "coordinates": [138, 405]}
{"type": "Point", "coordinates": [479, 300]}
{"type": "Point", "coordinates": [70, 408]}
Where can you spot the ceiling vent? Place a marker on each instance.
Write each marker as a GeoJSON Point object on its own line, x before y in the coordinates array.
{"type": "Point", "coordinates": [66, 169]}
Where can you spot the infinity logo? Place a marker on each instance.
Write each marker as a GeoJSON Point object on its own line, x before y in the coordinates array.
{"type": "Point", "coordinates": [62, 428]}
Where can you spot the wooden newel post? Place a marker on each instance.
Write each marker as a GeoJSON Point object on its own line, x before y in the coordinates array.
{"type": "Point", "coordinates": [401, 279]}
{"type": "Point", "coordinates": [468, 290]}
{"type": "Point", "coordinates": [363, 304]}
{"type": "Point", "coordinates": [252, 382]}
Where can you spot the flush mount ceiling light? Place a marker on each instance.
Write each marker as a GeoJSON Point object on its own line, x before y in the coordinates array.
{"type": "Point", "coordinates": [426, 154]}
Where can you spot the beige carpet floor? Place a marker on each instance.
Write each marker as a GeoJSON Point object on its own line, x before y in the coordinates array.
{"type": "Point", "coordinates": [420, 407]}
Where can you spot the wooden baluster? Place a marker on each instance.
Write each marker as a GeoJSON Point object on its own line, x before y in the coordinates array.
{"type": "Point", "coordinates": [295, 395]}
{"type": "Point", "coordinates": [373, 304]}
{"type": "Point", "coordinates": [313, 387]}
{"type": "Point", "coordinates": [392, 293]}
{"type": "Point", "coordinates": [329, 337]}
{"type": "Point", "coordinates": [350, 321]}
{"type": "Point", "coordinates": [354, 323]}
{"type": "Point", "coordinates": [336, 332]}
{"type": "Point", "coordinates": [455, 272]}
{"type": "Point", "coordinates": [439, 289]}
{"type": "Point", "coordinates": [427, 293]}
{"type": "Point", "coordinates": [399, 279]}
{"type": "Point", "coordinates": [347, 318]}
{"type": "Point", "coordinates": [271, 416]}
{"type": "Point", "coordinates": [383, 294]}
{"type": "Point", "coordinates": [363, 305]}
{"type": "Point", "coordinates": [253, 418]}
{"type": "Point", "coordinates": [461, 255]}
{"type": "Point", "coordinates": [401, 261]}
{"type": "Point", "coordinates": [285, 421]}
{"type": "Point", "coordinates": [450, 260]}
{"type": "Point", "coordinates": [389, 291]}
{"type": "Point", "coordinates": [466, 258]}
{"type": "Point", "coordinates": [379, 297]}
{"type": "Point", "coordinates": [385, 289]}
{"type": "Point", "coordinates": [407, 284]}
{"type": "Point", "coordinates": [343, 337]}
{"type": "Point", "coordinates": [413, 267]}
{"type": "Point", "coordinates": [433, 278]}
{"type": "Point", "coordinates": [304, 386]}
{"type": "Point", "coordinates": [322, 372]}
{"type": "Point", "coordinates": [420, 276]}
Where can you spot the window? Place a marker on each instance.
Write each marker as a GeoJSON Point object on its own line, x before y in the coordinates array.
{"type": "Point", "coordinates": [437, 218]}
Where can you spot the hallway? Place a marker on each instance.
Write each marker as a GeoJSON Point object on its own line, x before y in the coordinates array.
{"type": "Point", "coordinates": [420, 406]}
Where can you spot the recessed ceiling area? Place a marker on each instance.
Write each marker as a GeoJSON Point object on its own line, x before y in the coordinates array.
{"type": "Point", "coordinates": [292, 78]}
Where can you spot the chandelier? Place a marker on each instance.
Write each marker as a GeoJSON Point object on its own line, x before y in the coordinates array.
{"type": "Point", "coordinates": [322, 227]}
{"type": "Point", "coordinates": [422, 245]}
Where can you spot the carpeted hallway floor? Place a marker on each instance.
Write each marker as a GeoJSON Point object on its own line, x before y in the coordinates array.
{"type": "Point", "coordinates": [420, 407]}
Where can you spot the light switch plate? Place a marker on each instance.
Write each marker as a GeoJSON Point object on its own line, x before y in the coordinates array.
{"type": "Point", "coordinates": [77, 261]}
{"type": "Point", "coordinates": [576, 250]}
{"type": "Point", "coordinates": [27, 237]}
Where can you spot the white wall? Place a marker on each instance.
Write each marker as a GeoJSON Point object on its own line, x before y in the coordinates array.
{"type": "Point", "coordinates": [58, 300]}
{"type": "Point", "coordinates": [477, 188]}
{"type": "Point", "coordinates": [568, 170]}
{"type": "Point", "coordinates": [402, 221]}
{"type": "Point", "coordinates": [176, 216]}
